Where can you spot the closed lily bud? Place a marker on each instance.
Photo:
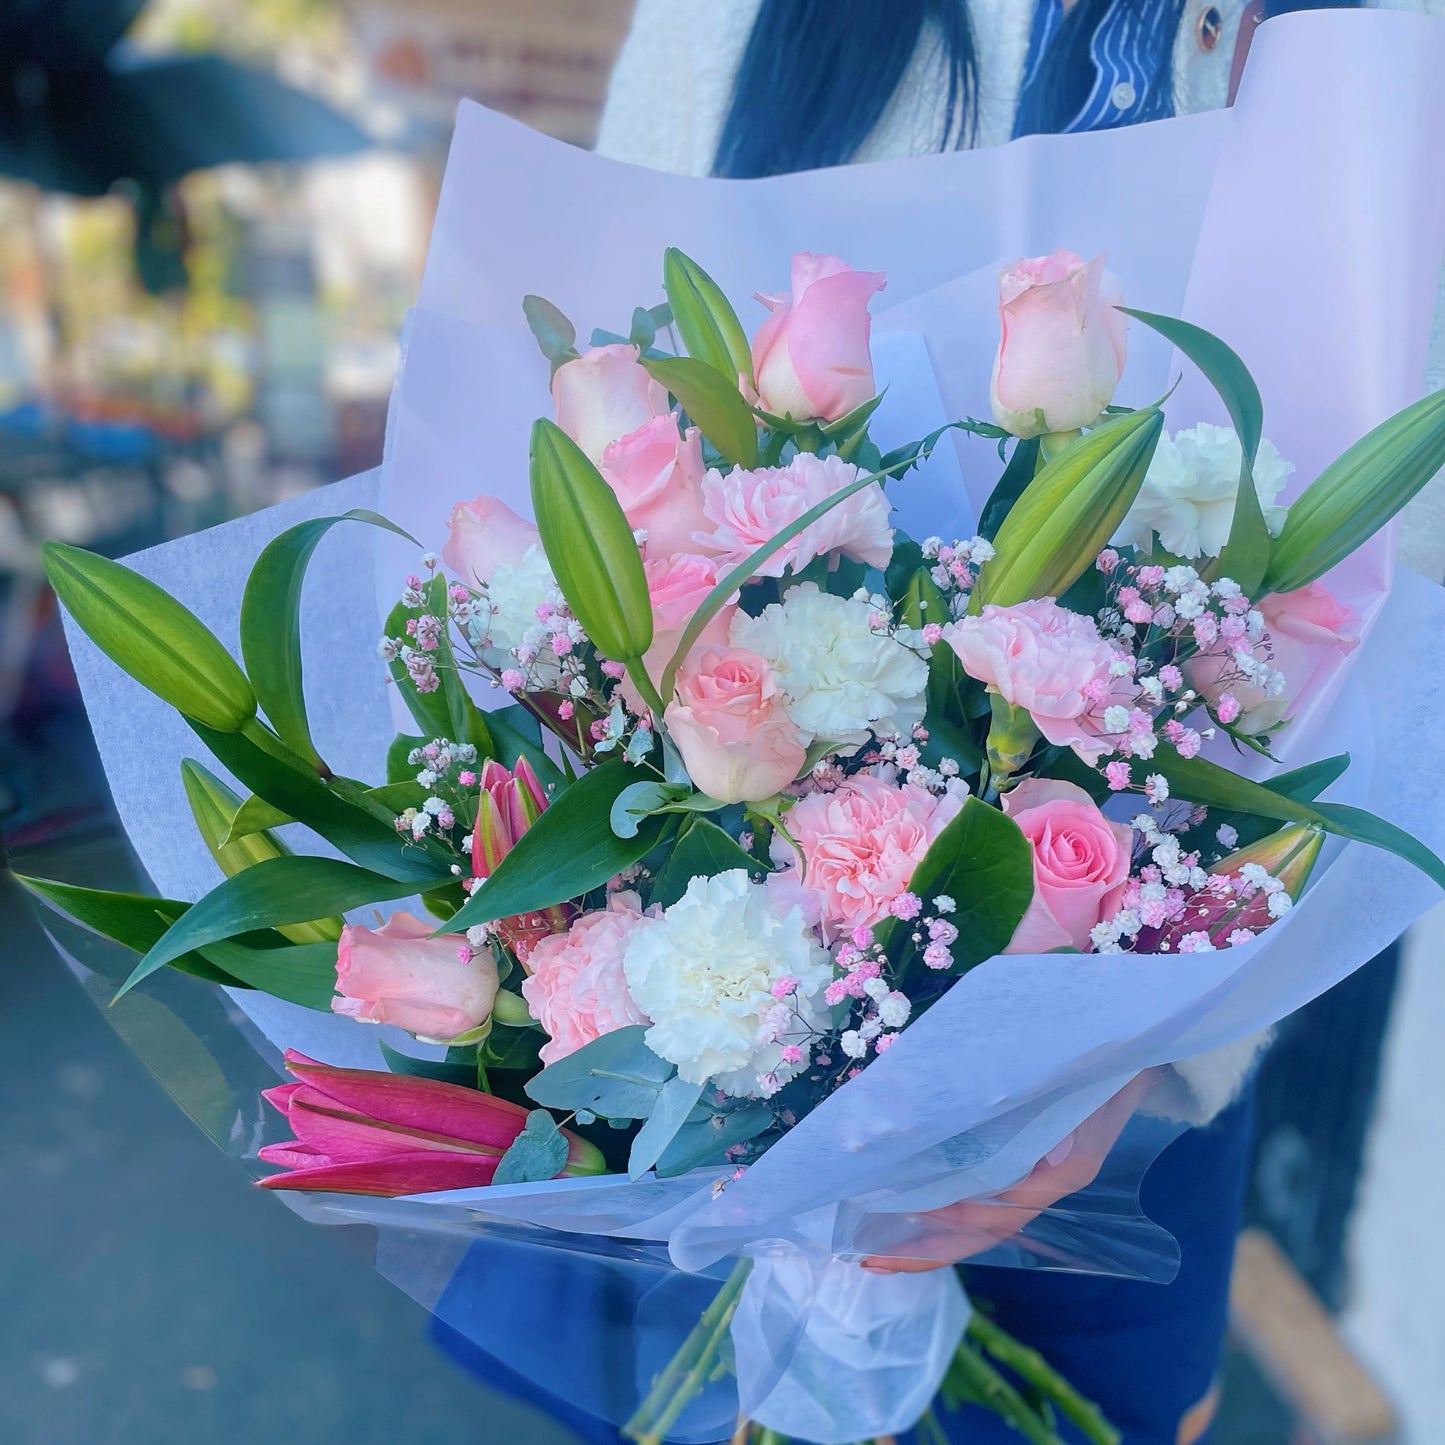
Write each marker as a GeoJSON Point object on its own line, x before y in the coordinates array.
{"type": "Point", "coordinates": [147, 633]}
{"type": "Point", "coordinates": [214, 807]}
{"type": "Point", "coordinates": [590, 546]}
{"type": "Point", "coordinates": [360, 1131]}
{"type": "Point", "coordinates": [1243, 895]}
{"type": "Point", "coordinates": [704, 317]}
{"type": "Point", "coordinates": [1068, 512]}
{"type": "Point", "coordinates": [1357, 494]}
{"type": "Point", "coordinates": [508, 804]}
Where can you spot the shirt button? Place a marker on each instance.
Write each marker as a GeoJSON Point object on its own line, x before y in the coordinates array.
{"type": "Point", "coordinates": [1122, 95]}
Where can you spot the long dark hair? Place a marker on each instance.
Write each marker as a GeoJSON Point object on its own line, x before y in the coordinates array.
{"type": "Point", "coordinates": [818, 74]}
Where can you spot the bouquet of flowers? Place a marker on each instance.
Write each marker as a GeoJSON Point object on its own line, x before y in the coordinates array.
{"type": "Point", "coordinates": [718, 785]}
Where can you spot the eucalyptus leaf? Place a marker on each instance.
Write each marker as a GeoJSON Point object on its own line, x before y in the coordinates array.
{"type": "Point", "coordinates": [668, 1115]}
{"type": "Point", "coordinates": [707, 1136]}
{"type": "Point", "coordinates": [615, 1076]}
{"type": "Point", "coordinates": [634, 803]}
{"type": "Point", "coordinates": [539, 1152]}
{"type": "Point", "coordinates": [556, 335]}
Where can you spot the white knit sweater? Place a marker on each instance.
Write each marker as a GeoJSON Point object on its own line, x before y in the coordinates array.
{"type": "Point", "coordinates": [665, 110]}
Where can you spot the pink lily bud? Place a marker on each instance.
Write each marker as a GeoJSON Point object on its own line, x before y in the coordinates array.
{"type": "Point", "coordinates": [509, 803]}
{"type": "Point", "coordinates": [1288, 855]}
{"type": "Point", "coordinates": [360, 1131]}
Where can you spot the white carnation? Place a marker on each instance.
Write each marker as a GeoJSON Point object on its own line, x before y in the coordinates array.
{"type": "Point", "coordinates": [842, 680]}
{"type": "Point", "coordinates": [515, 592]}
{"type": "Point", "coordinates": [704, 973]}
{"type": "Point", "coordinates": [1189, 491]}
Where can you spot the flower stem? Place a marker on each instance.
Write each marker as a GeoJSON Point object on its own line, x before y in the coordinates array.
{"type": "Point", "coordinates": [1031, 1366]}
{"type": "Point", "coordinates": [691, 1367]}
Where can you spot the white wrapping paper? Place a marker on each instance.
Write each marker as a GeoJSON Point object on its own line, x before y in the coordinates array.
{"type": "Point", "coordinates": [1306, 233]}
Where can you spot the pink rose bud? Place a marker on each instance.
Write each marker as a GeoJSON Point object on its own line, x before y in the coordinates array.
{"type": "Point", "coordinates": [482, 535]}
{"type": "Point", "coordinates": [360, 1131]}
{"type": "Point", "coordinates": [605, 395]}
{"type": "Point", "coordinates": [399, 974]}
{"type": "Point", "coordinates": [1310, 634]}
{"type": "Point", "coordinates": [811, 356]}
{"type": "Point", "coordinates": [1081, 864]}
{"type": "Point", "coordinates": [1062, 344]}
{"type": "Point", "coordinates": [728, 721]}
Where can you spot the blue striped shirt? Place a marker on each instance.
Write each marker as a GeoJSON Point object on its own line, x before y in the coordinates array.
{"type": "Point", "coordinates": [1132, 51]}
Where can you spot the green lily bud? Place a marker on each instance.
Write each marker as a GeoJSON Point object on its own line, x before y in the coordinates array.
{"type": "Point", "coordinates": [704, 317]}
{"type": "Point", "coordinates": [214, 807]}
{"type": "Point", "coordinates": [1068, 512]}
{"type": "Point", "coordinates": [590, 545]}
{"type": "Point", "coordinates": [1289, 855]}
{"type": "Point", "coordinates": [147, 633]}
{"type": "Point", "coordinates": [1357, 494]}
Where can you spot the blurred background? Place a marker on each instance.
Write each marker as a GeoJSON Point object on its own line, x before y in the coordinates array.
{"type": "Point", "coordinates": [213, 216]}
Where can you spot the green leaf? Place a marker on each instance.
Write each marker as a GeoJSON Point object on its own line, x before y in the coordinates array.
{"type": "Point", "coordinates": [714, 404]}
{"type": "Point", "coordinates": [1067, 513]}
{"type": "Point", "coordinates": [513, 1048]}
{"type": "Point", "coordinates": [539, 1152]}
{"type": "Point", "coordinates": [1245, 556]}
{"type": "Point", "coordinates": [466, 722]}
{"type": "Point", "coordinates": [984, 863]}
{"type": "Point", "coordinates": [705, 320]}
{"type": "Point", "coordinates": [850, 431]}
{"type": "Point", "coordinates": [589, 544]}
{"type": "Point", "coordinates": [428, 709]}
{"type": "Point", "coordinates": [556, 335]}
{"type": "Point", "coordinates": [215, 807]}
{"type": "Point", "coordinates": [280, 890]}
{"type": "Point", "coordinates": [271, 624]}
{"type": "Point", "coordinates": [707, 1136]}
{"type": "Point", "coordinates": [133, 920]}
{"type": "Point", "coordinates": [1016, 476]}
{"type": "Point", "coordinates": [1200, 781]}
{"type": "Point", "coordinates": [570, 850]}
{"type": "Point", "coordinates": [616, 1076]}
{"type": "Point", "coordinates": [442, 1070]}
{"type": "Point", "coordinates": [255, 815]}
{"type": "Point", "coordinates": [901, 460]}
{"type": "Point", "coordinates": [302, 973]}
{"type": "Point", "coordinates": [151, 636]}
{"type": "Point", "coordinates": [398, 769]}
{"type": "Point", "coordinates": [517, 734]}
{"type": "Point", "coordinates": [368, 837]}
{"type": "Point", "coordinates": [702, 850]}
{"type": "Point", "coordinates": [668, 1115]}
{"type": "Point", "coordinates": [1357, 494]}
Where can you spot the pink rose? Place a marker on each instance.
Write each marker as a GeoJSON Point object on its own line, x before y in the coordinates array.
{"type": "Point", "coordinates": [731, 727]}
{"type": "Point", "coordinates": [677, 587]}
{"type": "Point", "coordinates": [1062, 344]}
{"type": "Point", "coordinates": [1308, 634]}
{"type": "Point", "coordinates": [399, 974]}
{"type": "Point", "coordinates": [746, 509]}
{"type": "Point", "coordinates": [604, 395]}
{"type": "Point", "coordinates": [1048, 660]}
{"type": "Point", "coordinates": [482, 535]}
{"type": "Point", "coordinates": [860, 844]}
{"type": "Point", "coordinates": [1081, 863]}
{"type": "Point", "coordinates": [657, 476]}
{"type": "Point", "coordinates": [810, 357]}
{"type": "Point", "coordinates": [577, 990]}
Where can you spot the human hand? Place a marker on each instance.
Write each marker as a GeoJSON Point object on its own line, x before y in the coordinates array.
{"type": "Point", "coordinates": [959, 1231]}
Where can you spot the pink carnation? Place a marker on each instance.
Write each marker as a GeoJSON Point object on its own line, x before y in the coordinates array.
{"type": "Point", "coordinates": [746, 509]}
{"type": "Point", "coordinates": [1048, 660]}
{"type": "Point", "coordinates": [577, 990]}
{"type": "Point", "coordinates": [860, 845]}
